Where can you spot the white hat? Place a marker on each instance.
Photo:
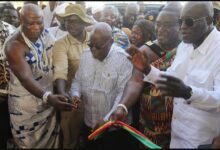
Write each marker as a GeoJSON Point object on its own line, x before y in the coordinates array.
{"type": "Point", "coordinates": [97, 9]}
{"type": "Point", "coordinates": [60, 9]}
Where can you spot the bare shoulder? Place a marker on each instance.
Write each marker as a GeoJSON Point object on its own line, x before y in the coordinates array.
{"type": "Point", "coordinates": [15, 45]}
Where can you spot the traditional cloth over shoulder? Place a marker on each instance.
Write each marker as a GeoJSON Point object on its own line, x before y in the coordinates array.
{"type": "Point", "coordinates": [33, 122]}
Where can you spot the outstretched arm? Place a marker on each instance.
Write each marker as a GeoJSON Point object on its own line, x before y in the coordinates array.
{"type": "Point", "coordinates": [15, 53]}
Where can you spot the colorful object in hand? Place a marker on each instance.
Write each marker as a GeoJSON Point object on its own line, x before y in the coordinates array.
{"type": "Point", "coordinates": [135, 133]}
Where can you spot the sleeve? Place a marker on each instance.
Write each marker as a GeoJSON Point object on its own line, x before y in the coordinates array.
{"type": "Point", "coordinates": [60, 60]}
{"type": "Point", "coordinates": [75, 89]}
{"type": "Point", "coordinates": [208, 100]}
{"type": "Point", "coordinates": [124, 75]}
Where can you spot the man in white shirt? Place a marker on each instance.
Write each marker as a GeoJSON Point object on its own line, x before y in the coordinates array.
{"type": "Point", "coordinates": [48, 11]}
{"type": "Point", "coordinates": [100, 80]}
{"type": "Point", "coordinates": [193, 79]}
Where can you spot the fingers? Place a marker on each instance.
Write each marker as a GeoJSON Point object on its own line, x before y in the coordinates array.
{"type": "Point", "coordinates": [64, 103]}
{"type": "Point", "coordinates": [76, 102]}
{"type": "Point", "coordinates": [132, 50]}
{"type": "Point", "coordinates": [63, 98]}
{"type": "Point", "coordinates": [170, 78]}
{"type": "Point", "coordinates": [66, 106]}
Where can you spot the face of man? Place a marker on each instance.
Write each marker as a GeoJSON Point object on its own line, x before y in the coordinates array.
{"type": "Point", "coordinates": [11, 16]}
{"type": "Point", "coordinates": [193, 24]}
{"type": "Point", "coordinates": [32, 25]}
{"type": "Point", "coordinates": [74, 25]}
{"type": "Point", "coordinates": [99, 46]}
{"type": "Point", "coordinates": [166, 27]}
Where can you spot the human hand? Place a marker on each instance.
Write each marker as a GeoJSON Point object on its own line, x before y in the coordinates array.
{"type": "Point", "coordinates": [98, 124]}
{"type": "Point", "coordinates": [60, 102]}
{"type": "Point", "coordinates": [75, 101]}
{"type": "Point", "coordinates": [119, 114]}
{"type": "Point", "coordinates": [138, 59]}
{"type": "Point", "coordinates": [172, 86]}
{"type": "Point", "coordinates": [216, 142]}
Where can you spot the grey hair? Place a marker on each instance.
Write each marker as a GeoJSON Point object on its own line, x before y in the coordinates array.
{"type": "Point", "coordinates": [32, 8]}
{"type": "Point", "coordinates": [113, 9]}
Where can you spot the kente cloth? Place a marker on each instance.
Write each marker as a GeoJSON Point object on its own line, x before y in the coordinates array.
{"type": "Point", "coordinates": [134, 132]}
{"type": "Point", "coordinates": [5, 30]}
{"type": "Point", "coordinates": [33, 123]}
{"type": "Point", "coordinates": [156, 110]}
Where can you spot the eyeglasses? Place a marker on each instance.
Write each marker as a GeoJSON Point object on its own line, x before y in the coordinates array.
{"type": "Point", "coordinates": [96, 46]}
{"type": "Point", "coordinates": [165, 24]}
{"type": "Point", "coordinates": [189, 21]}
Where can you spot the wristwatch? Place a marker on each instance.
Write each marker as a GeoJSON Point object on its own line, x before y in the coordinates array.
{"type": "Point", "coordinates": [189, 93]}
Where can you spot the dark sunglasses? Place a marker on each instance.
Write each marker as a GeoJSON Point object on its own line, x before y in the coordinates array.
{"type": "Point", "coordinates": [189, 21]}
{"type": "Point", "coordinates": [96, 46]}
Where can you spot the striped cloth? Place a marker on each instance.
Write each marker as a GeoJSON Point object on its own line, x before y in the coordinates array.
{"type": "Point", "coordinates": [33, 123]}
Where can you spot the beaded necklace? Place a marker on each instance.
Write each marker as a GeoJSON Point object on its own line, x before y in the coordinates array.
{"type": "Point", "coordinates": [41, 64]}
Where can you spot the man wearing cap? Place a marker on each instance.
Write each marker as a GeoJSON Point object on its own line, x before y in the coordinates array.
{"type": "Point", "coordinates": [66, 56]}
{"type": "Point", "coordinates": [96, 12]}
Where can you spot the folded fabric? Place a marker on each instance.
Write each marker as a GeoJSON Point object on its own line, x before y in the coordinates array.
{"type": "Point", "coordinates": [135, 133]}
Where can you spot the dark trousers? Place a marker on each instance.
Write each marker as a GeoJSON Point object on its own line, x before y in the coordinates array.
{"type": "Point", "coordinates": [5, 130]}
{"type": "Point", "coordinates": [117, 139]}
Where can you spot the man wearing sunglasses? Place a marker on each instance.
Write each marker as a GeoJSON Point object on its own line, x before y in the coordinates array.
{"type": "Point", "coordinates": [193, 79]}
{"type": "Point", "coordinates": [99, 81]}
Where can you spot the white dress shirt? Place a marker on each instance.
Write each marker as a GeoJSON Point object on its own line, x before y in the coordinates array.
{"type": "Point", "coordinates": [196, 121]}
{"type": "Point", "coordinates": [48, 16]}
{"type": "Point", "coordinates": [57, 32]}
{"type": "Point", "coordinates": [101, 84]}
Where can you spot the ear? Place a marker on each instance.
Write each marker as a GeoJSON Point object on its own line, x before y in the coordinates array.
{"type": "Point", "coordinates": [209, 20]}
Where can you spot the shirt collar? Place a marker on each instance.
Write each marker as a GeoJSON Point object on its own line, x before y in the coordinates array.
{"type": "Point", "coordinates": [110, 52]}
{"type": "Point", "coordinates": [73, 40]}
{"type": "Point", "coordinates": [204, 47]}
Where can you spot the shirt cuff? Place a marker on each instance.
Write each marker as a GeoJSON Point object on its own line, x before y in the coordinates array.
{"type": "Point", "coordinates": [75, 94]}
{"type": "Point", "coordinates": [152, 75]}
{"type": "Point", "coordinates": [195, 94]}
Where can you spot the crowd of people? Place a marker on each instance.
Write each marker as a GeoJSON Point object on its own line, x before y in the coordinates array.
{"type": "Point", "coordinates": [64, 73]}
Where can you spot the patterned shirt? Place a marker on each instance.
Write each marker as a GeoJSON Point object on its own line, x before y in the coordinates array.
{"type": "Point", "coordinates": [101, 84]}
{"type": "Point", "coordinates": [5, 30]}
{"type": "Point", "coordinates": [120, 38]}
